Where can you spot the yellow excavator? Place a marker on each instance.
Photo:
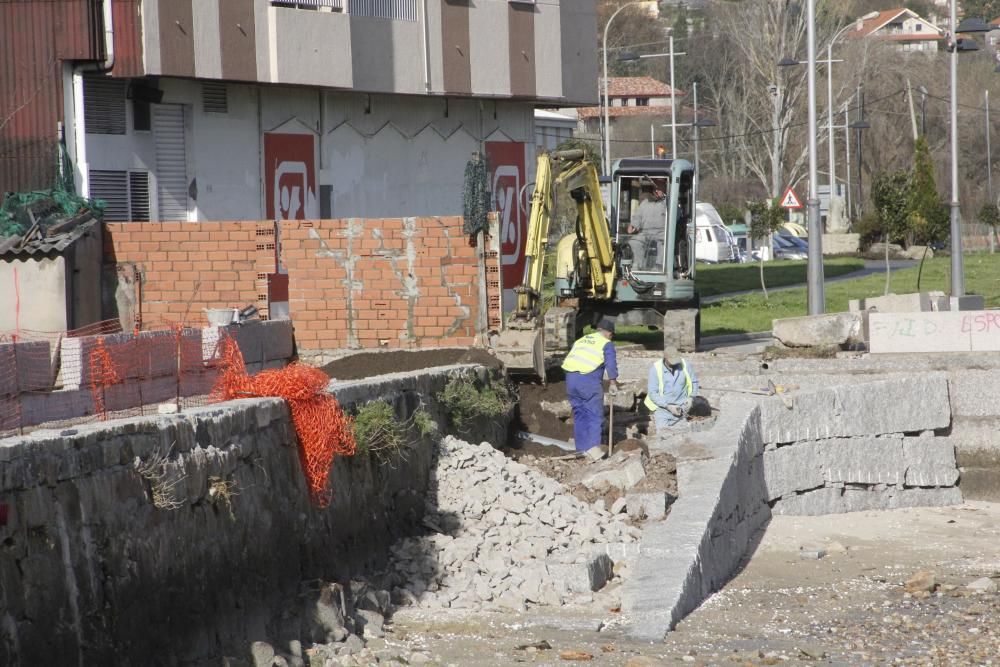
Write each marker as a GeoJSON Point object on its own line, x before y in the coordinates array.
{"type": "Point", "coordinates": [610, 265]}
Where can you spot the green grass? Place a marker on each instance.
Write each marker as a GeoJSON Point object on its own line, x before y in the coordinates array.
{"type": "Point", "coordinates": [722, 278]}
{"type": "Point", "coordinates": [751, 312]}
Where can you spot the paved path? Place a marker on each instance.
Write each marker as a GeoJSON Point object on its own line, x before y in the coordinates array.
{"type": "Point", "coordinates": [871, 266]}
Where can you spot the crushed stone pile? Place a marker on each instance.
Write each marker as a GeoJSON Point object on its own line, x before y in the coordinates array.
{"type": "Point", "coordinates": [505, 536]}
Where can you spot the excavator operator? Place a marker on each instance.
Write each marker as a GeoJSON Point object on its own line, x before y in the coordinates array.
{"type": "Point", "coordinates": [649, 226]}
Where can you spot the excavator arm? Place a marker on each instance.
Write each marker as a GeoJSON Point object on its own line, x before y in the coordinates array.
{"type": "Point", "coordinates": [521, 347]}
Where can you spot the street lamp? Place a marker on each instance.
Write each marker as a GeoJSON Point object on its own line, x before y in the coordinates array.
{"type": "Point", "coordinates": [955, 45]}
{"type": "Point", "coordinates": [607, 124]}
{"type": "Point", "coordinates": [697, 124]}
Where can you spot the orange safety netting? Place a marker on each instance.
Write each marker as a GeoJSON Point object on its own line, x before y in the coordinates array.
{"type": "Point", "coordinates": [102, 375]}
{"type": "Point", "coordinates": [322, 427]}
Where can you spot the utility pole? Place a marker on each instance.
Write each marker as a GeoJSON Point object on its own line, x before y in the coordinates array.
{"type": "Point", "coordinates": [814, 268]}
{"type": "Point", "coordinates": [955, 222]}
{"type": "Point", "coordinates": [847, 157]}
{"type": "Point", "coordinates": [673, 104]}
{"type": "Point", "coordinates": [913, 111]}
{"type": "Point", "coordinates": [989, 167]}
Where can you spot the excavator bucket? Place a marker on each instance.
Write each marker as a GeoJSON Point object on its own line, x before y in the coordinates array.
{"type": "Point", "coordinates": [522, 352]}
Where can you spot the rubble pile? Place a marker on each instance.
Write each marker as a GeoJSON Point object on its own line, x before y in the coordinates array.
{"type": "Point", "coordinates": [505, 536]}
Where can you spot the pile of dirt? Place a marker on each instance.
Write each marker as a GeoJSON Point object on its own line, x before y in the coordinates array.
{"type": "Point", "coordinates": [368, 364]}
{"type": "Point", "coordinates": [533, 418]}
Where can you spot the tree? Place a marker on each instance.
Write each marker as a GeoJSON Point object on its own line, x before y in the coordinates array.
{"type": "Point", "coordinates": [890, 197]}
{"type": "Point", "coordinates": [984, 9]}
{"type": "Point", "coordinates": [927, 219]}
{"type": "Point", "coordinates": [989, 215]}
{"type": "Point", "coordinates": [766, 218]}
{"type": "Point", "coordinates": [633, 30]}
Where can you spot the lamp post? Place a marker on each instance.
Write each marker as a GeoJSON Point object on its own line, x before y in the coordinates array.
{"type": "Point", "coordinates": [607, 124]}
{"type": "Point", "coordinates": [697, 124]}
{"type": "Point", "coordinates": [955, 227]}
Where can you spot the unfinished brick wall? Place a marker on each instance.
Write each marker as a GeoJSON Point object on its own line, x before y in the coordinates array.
{"type": "Point", "coordinates": [186, 267]}
{"type": "Point", "coordinates": [357, 283]}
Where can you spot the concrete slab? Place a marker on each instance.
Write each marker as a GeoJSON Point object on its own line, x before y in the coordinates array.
{"type": "Point", "coordinates": [259, 341]}
{"type": "Point", "coordinates": [980, 484]}
{"type": "Point", "coordinates": [915, 302]}
{"type": "Point", "coordinates": [862, 460]}
{"type": "Point", "coordinates": [929, 461]}
{"type": "Point", "coordinates": [791, 469]}
{"type": "Point", "coordinates": [149, 354]}
{"type": "Point", "coordinates": [918, 332]}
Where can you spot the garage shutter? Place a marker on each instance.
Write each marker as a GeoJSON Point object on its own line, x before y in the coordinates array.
{"type": "Point", "coordinates": [171, 161]}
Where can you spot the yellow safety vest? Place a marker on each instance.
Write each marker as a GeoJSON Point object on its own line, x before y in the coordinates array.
{"type": "Point", "coordinates": [688, 387]}
{"type": "Point", "coordinates": [587, 354]}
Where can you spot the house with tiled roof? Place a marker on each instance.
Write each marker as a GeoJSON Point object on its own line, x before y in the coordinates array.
{"type": "Point", "coordinates": [630, 96]}
{"type": "Point", "coordinates": [902, 27]}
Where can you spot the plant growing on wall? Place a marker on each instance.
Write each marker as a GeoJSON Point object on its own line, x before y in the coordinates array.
{"type": "Point", "coordinates": [468, 403]}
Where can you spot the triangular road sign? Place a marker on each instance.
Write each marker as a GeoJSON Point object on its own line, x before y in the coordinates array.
{"type": "Point", "coordinates": [791, 200]}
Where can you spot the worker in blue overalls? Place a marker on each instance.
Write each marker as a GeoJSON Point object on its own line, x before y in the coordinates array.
{"type": "Point", "coordinates": [585, 366]}
{"type": "Point", "coordinates": [670, 390]}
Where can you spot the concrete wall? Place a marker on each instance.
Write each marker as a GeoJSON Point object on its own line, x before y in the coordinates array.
{"type": "Point", "coordinates": [35, 295]}
{"type": "Point", "coordinates": [380, 155]}
{"type": "Point", "coordinates": [93, 572]}
{"type": "Point", "coordinates": [388, 283]}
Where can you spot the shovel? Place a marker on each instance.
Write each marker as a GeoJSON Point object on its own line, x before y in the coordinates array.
{"type": "Point", "coordinates": [611, 426]}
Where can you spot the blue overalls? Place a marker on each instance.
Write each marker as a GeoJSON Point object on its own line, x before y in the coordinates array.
{"type": "Point", "coordinates": [584, 366]}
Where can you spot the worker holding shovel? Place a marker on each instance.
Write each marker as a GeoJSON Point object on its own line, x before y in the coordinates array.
{"type": "Point", "coordinates": [670, 390]}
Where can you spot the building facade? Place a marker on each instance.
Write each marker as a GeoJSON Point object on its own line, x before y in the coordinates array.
{"type": "Point", "coordinates": [271, 109]}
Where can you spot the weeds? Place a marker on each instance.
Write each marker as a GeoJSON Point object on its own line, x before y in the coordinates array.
{"type": "Point", "coordinates": [467, 403]}
{"type": "Point", "coordinates": [377, 431]}
{"type": "Point", "coordinates": [424, 422]}
{"type": "Point", "coordinates": [222, 491]}
{"type": "Point", "coordinates": [162, 481]}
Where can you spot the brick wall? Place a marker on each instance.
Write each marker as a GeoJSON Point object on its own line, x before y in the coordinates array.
{"type": "Point", "coordinates": [358, 283]}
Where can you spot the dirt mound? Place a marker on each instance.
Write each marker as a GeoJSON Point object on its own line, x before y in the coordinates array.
{"type": "Point", "coordinates": [533, 418]}
{"type": "Point", "coordinates": [369, 364]}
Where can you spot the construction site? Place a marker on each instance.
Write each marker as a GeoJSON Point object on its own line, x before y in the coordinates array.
{"type": "Point", "coordinates": [343, 333]}
{"type": "Point", "coordinates": [363, 481]}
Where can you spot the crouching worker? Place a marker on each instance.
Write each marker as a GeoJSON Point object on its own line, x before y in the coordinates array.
{"type": "Point", "coordinates": [671, 389]}
{"type": "Point", "coordinates": [585, 366]}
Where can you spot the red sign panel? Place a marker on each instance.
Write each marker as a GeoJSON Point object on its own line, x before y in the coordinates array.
{"type": "Point", "coordinates": [290, 176]}
{"type": "Point", "coordinates": [507, 176]}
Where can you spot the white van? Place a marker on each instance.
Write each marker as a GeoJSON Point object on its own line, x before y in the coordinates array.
{"type": "Point", "coordinates": [713, 242]}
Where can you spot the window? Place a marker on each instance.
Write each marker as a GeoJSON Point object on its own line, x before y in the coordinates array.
{"type": "Point", "coordinates": [642, 101]}
{"type": "Point", "coordinates": [104, 105]}
{"type": "Point", "coordinates": [400, 10]}
{"type": "Point", "coordinates": [918, 27]}
{"type": "Point", "coordinates": [334, 5]}
{"type": "Point", "coordinates": [124, 193]}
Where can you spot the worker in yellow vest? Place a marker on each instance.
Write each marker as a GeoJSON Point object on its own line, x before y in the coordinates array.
{"type": "Point", "coordinates": [585, 365]}
{"type": "Point", "coordinates": [671, 389]}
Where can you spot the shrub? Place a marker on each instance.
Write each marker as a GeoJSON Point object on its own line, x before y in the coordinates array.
{"type": "Point", "coordinates": [377, 431]}
{"type": "Point", "coordinates": [467, 403]}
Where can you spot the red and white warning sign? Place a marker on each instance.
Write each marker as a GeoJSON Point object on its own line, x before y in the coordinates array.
{"type": "Point", "coordinates": [791, 200]}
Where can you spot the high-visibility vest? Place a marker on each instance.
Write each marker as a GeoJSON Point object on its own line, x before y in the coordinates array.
{"type": "Point", "coordinates": [587, 354]}
{"type": "Point", "coordinates": [688, 386]}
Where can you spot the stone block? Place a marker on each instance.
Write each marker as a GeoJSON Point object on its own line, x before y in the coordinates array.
{"type": "Point", "coordinates": [976, 447]}
{"type": "Point", "coordinates": [919, 332]}
{"type": "Point", "coordinates": [915, 302]}
{"type": "Point", "coordinates": [791, 469]}
{"type": "Point", "coordinates": [25, 366]}
{"type": "Point", "coordinates": [930, 461]}
{"type": "Point", "coordinates": [680, 329]}
{"type": "Point", "coordinates": [980, 484]}
{"type": "Point", "coordinates": [650, 506]}
{"type": "Point", "coordinates": [906, 404]}
{"type": "Point", "coordinates": [818, 330]}
{"type": "Point", "coordinates": [940, 497]}
{"type": "Point", "coordinates": [825, 500]}
{"type": "Point", "coordinates": [584, 577]}
{"type": "Point", "coordinates": [55, 406]}
{"type": "Point", "coordinates": [259, 341]}
{"type": "Point", "coordinates": [841, 244]}
{"type": "Point", "coordinates": [967, 302]}
{"type": "Point", "coordinates": [862, 460]}
{"type": "Point", "coordinates": [972, 395]}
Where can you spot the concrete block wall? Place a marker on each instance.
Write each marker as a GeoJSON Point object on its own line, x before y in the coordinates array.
{"type": "Point", "coordinates": [120, 580]}
{"type": "Point", "coordinates": [356, 283]}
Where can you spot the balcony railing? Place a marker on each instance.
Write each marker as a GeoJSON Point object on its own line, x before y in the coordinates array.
{"type": "Point", "coordinates": [395, 10]}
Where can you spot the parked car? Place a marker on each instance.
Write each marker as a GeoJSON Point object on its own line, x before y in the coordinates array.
{"type": "Point", "coordinates": [782, 248]}
{"type": "Point", "coordinates": [796, 241]}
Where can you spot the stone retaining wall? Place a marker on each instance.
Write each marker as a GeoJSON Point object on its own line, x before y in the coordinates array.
{"type": "Point", "coordinates": [93, 571]}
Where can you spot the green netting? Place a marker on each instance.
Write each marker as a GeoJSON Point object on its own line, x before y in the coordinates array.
{"type": "Point", "coordinates": [476, 195]}
{"type": "Point", "coordinates": [47, 206]}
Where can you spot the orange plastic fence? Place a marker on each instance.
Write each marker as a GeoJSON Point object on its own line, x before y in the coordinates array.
{"type": "Point", "coordinates": [102, 375]}
{"type": "Point", "coordinates": [322, 427]}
